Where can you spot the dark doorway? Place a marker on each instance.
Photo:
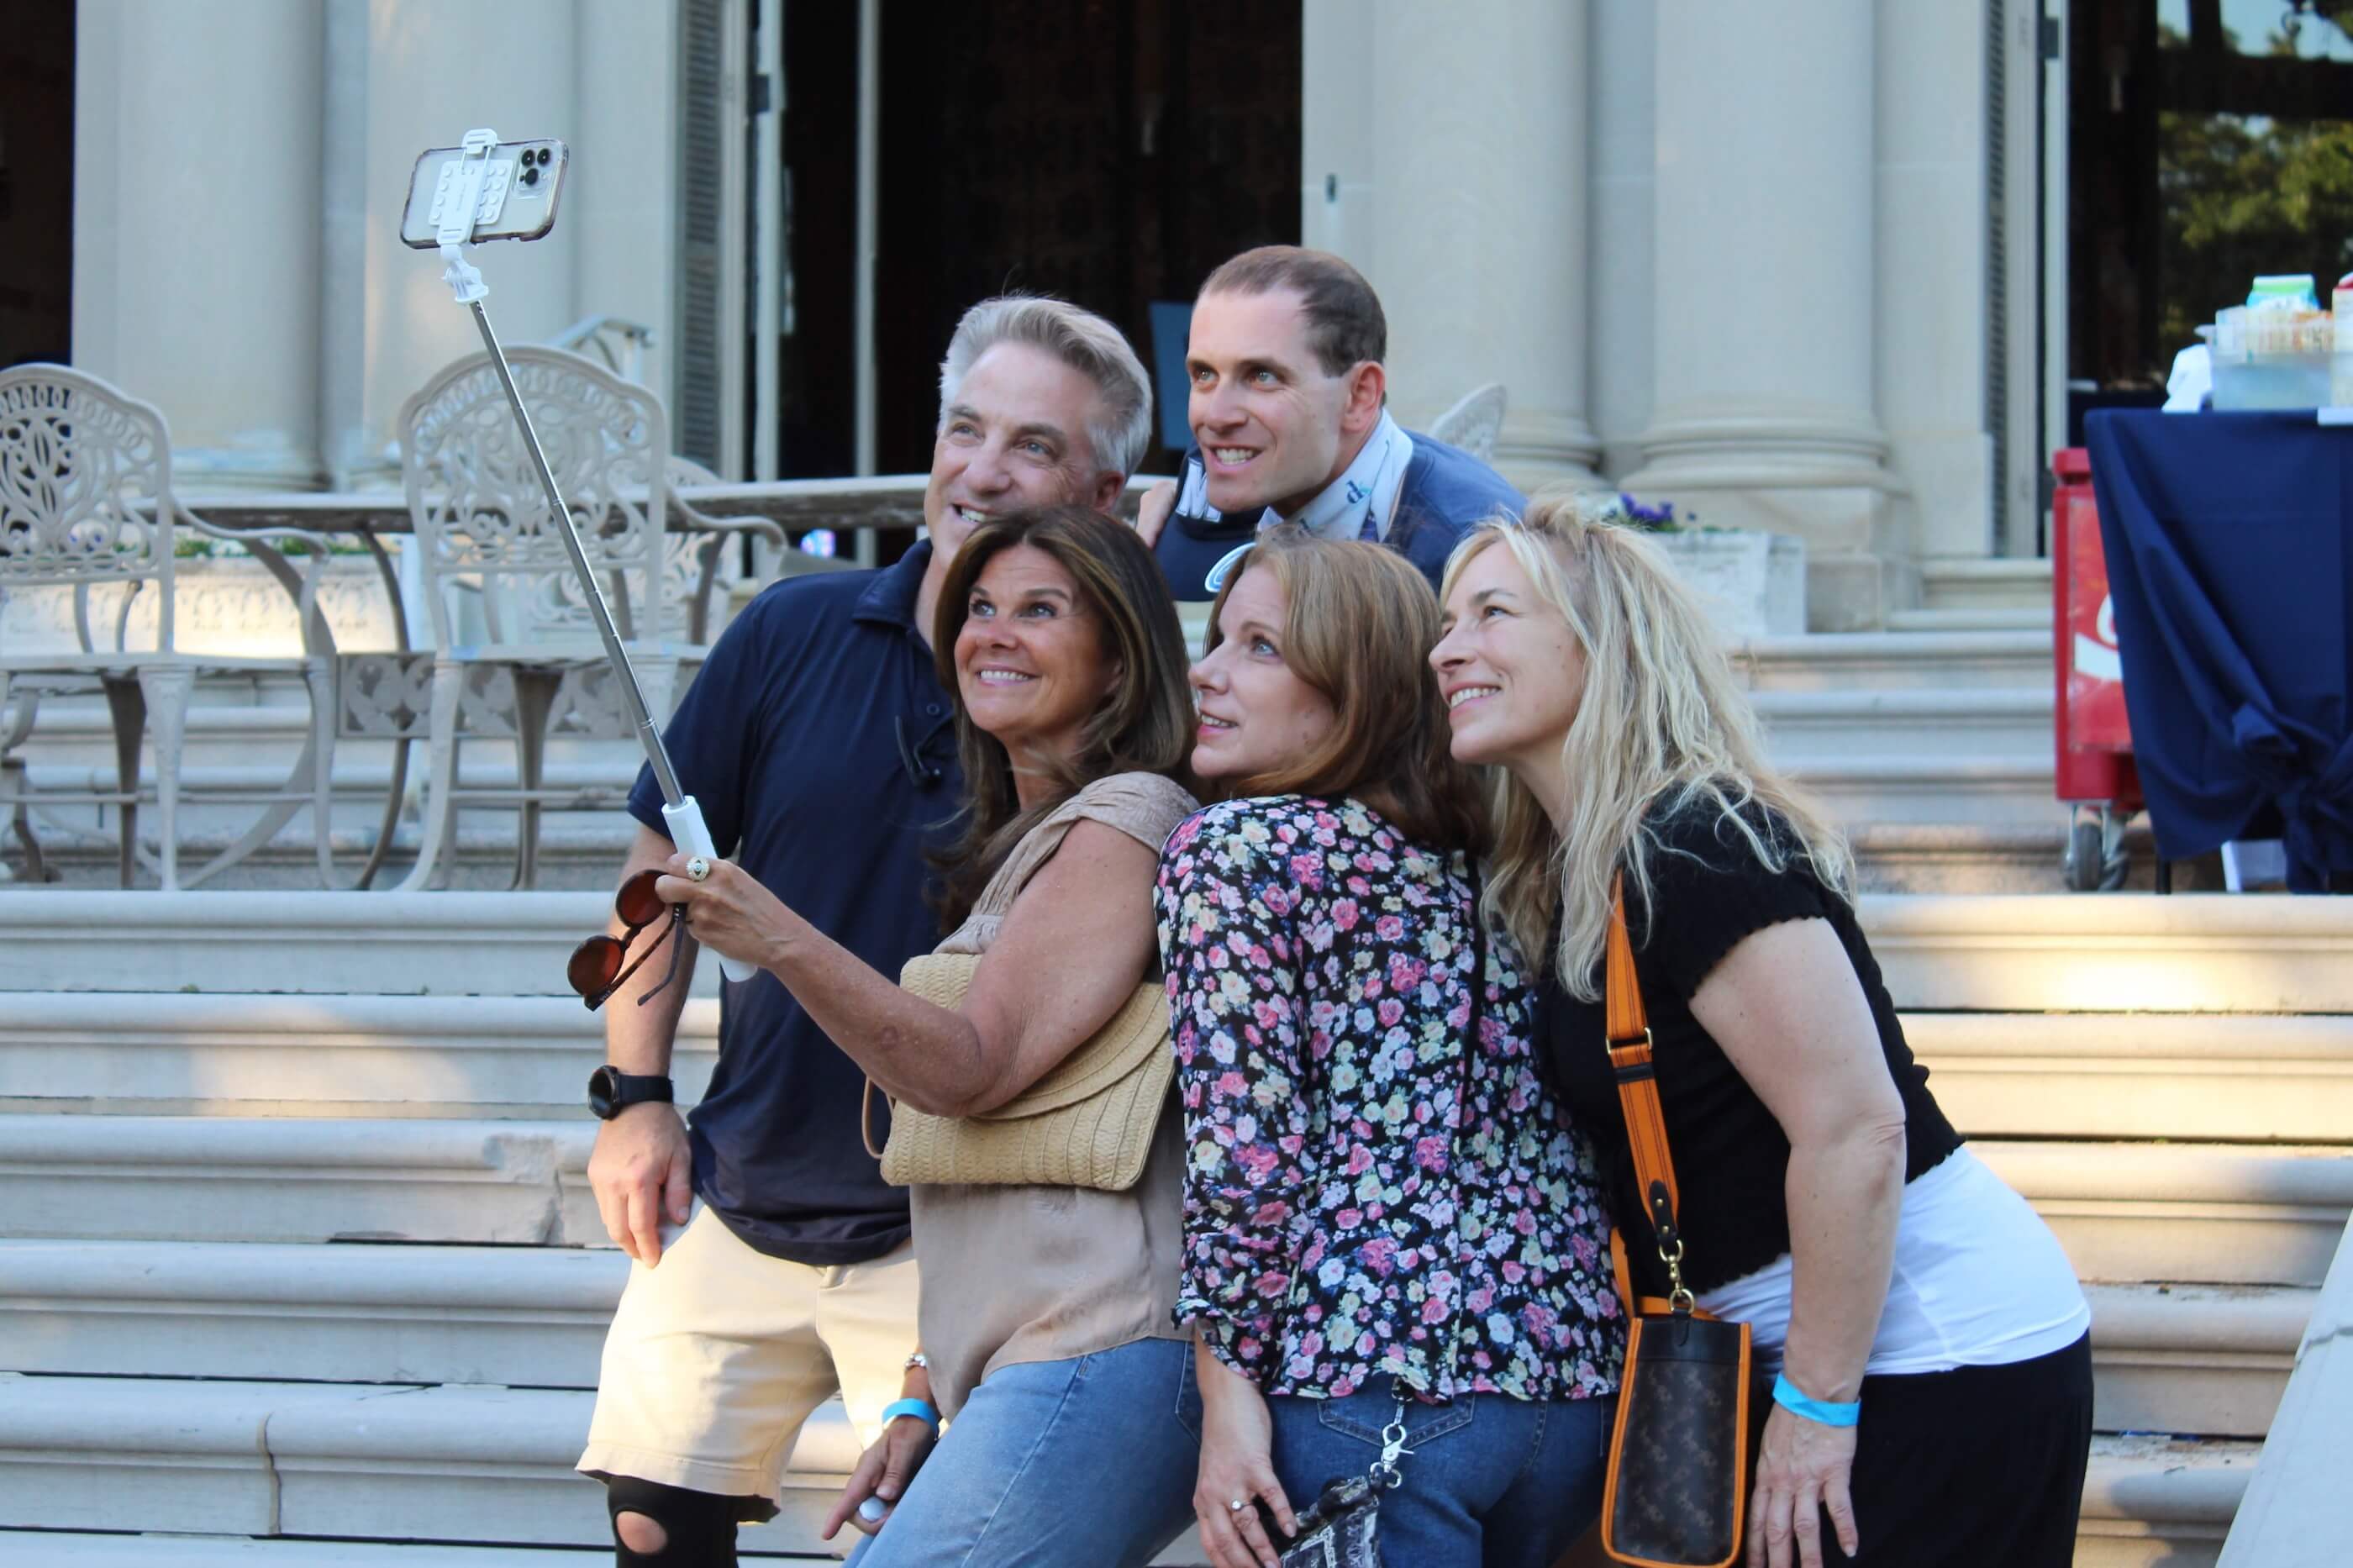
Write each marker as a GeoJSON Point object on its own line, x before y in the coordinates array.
{"type": "Point", "coordinates": [1107, 151]}
{"type": "Point", "coordinates": [36, 113]}
{"type": "Point", "coordinates": [2209, 141]}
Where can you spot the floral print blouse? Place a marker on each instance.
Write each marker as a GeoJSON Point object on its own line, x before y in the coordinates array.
{"type": "Point", "coordinates": [1360, 1201]}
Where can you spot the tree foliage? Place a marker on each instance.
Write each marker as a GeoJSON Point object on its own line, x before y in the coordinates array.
{"type": "Point", "coordinates": [2242, 196]}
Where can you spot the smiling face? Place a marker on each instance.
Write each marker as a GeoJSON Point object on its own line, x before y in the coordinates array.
{"type": "Point", "coordinates": [1029, 659]}
{"type": "Point", "coordinates": [1274, 427]}
{"type": "Point", "coordinates": [1256, 714]}
{"type": "Point", "coordinates": [1013, 435]}
{"type": "Point", "coordinates": [1511, 670]}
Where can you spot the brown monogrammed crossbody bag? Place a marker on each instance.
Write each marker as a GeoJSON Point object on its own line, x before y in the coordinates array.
{"type": "Point", "coordinates": [1677, 1491]}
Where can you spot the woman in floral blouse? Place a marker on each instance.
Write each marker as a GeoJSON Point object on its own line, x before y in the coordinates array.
{"type": "Point", "coordinates": [1386, 1215]}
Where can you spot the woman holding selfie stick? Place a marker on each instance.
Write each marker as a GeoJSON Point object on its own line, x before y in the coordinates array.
{"type": "Point", "coordinates": [1933, 1404]}
{"type": "Point", "coordinates": [1394, 1251]}
{"type": "Point", "coordinates": [1045, 1309]}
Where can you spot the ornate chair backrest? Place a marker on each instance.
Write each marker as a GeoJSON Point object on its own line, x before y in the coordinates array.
{"type": "Point", "coordinates": [481, 518]}
{"type": "Point", "coordinates": [85, 495]}
{"type": "Point", "coordinates": [1474, 423]}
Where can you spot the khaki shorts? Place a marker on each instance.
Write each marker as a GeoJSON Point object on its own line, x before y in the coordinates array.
{"type": "Point", "coordinates": [716, 1357]}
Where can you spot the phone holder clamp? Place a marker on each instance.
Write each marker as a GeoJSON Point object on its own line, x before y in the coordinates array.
{"type": "Point", "coordinates": [472, 192]}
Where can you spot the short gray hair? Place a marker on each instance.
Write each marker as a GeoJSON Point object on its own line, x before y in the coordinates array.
{"type": "Point", "coordinates": [1080, 339]}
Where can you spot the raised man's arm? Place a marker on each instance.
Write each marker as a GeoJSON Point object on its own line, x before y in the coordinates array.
{"type": "Point", "coordinates": [640, 1170]}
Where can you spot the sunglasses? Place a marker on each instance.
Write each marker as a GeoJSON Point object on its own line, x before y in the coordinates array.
{"type": "Point", "coordinates": [595, 970]}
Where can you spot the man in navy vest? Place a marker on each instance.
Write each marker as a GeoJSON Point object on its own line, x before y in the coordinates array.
{"type": "Point", "coordinates": [1290, 424]}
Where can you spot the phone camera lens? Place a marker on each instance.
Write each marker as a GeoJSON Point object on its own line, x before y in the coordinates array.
{"type": "Point", "coordinates": [531, 176]}
{"type": "Point", "coordinates": [530, 157]}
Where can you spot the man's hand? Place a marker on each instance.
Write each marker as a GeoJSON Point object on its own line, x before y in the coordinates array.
{"type": "Point", "coordinates": [1153, 512]}
{"type": "Point", "coordinates": [641, 1172]}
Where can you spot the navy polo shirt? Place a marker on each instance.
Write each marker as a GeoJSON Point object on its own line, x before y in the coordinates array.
{"type": "Point", "coordinates": [820, 745]}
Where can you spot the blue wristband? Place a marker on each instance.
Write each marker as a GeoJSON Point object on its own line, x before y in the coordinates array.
{"type": "Point", "coordinates": [1788, 1395]}
{"type": "Point", "coordinates": [920, 1409]}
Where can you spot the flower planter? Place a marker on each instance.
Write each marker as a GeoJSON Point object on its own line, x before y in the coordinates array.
{"type": "Point", "coordinates": [1753, 583]}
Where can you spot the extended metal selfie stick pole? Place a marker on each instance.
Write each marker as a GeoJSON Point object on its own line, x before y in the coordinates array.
{"type": "Point", "coordinates": [680, 811]}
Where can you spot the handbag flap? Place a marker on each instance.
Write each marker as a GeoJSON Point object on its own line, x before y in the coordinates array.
{"type": "Point", "coordinates": [1125, 1042]}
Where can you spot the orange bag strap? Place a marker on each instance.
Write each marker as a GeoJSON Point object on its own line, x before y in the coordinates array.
{"type": "Point", "coordinates": [1627, 1028]}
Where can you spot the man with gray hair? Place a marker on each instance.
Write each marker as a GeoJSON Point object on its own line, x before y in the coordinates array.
{"type": "Point", "coordinates": [821, 746]}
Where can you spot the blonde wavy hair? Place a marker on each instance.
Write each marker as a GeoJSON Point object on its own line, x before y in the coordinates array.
{"type": "Point", "coordinates": [1662, 725]}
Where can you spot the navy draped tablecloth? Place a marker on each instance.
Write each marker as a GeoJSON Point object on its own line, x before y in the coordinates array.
{"type": "Point", "coordinates": [2230, 549]}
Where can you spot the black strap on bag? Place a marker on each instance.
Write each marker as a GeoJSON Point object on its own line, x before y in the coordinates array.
{"type": "Point", "coordinates": [1677, 1491]}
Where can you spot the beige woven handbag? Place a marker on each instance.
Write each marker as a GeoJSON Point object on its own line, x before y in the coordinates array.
{"type": "Point", "coordinates": [1087, 1123]}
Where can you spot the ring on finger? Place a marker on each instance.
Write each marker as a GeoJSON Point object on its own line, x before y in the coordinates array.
{"type": "Point", "coordinates": [1239, 1504]}
{"type": "Point", "coordinates": [698, 869]}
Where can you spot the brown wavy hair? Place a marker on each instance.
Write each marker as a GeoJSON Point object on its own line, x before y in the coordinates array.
{"type": "Point", "coordinates": [1361, 623]}
{"type": "Point", "coordinates": [1145, 725]}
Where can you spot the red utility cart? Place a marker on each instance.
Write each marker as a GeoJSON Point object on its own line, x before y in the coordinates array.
{"type": "Point", "coordinates": [2096, 778]}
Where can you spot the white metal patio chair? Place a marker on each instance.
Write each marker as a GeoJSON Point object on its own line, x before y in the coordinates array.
{"type": "Point", "coordinates": [500, 586]}
{"type": "Point", "coordinates": [1474, 423]}
{"type": "Point", "coordinates": [85, 504]}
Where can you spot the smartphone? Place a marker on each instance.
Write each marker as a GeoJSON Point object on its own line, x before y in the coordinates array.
{"type": "Point", "coordinates": [519, 192]}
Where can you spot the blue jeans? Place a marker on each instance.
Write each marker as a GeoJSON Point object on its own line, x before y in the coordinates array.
{"type": "Point", "coordinates": [1086, 1463]}
{"type": "Point", "coordinates": [1490, 1481]}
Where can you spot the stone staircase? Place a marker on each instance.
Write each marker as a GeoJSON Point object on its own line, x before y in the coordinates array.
{"type": "Point", "coordinates": [1934, 744]}
{"type": "Point", "coordinates": [300, 1265]}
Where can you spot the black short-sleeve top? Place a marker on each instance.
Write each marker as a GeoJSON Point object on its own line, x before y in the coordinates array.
{"type": "Point", "coordinates": [1708, 890]}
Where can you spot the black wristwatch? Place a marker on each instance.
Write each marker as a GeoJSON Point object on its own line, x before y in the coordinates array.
{"type": "Point", "coordinates": [611, 1091]}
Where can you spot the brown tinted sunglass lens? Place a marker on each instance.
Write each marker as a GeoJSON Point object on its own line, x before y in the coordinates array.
{"type": "Point", "coordinates": [637, 903]}
{"type": "Point", "coordinates": [594, 965]}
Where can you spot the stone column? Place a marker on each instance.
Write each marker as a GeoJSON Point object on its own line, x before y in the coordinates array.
{"type": "Point", "coordinates": [195, 222]}
{"type": "Point", "coordinates": [1764, 308]}
{"type": "Point", "coordinates": [434, 69]}
{"type": "Point", "coordinates": [1444, 154]}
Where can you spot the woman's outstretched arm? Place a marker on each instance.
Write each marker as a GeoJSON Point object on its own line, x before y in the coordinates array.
{"type": "Point", "coordinates": [1071, 950]}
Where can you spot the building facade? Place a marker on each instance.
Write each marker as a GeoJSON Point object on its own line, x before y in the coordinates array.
{"type": "Point", "coordinates": [1801, 267]}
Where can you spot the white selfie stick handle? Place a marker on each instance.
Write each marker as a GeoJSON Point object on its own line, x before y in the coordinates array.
{"type": "Point", "coordinates": [691, 834]}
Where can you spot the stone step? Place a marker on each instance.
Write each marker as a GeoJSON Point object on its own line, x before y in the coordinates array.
{"type": "Point", "coordinates": [494, 1465]}
{"type": "Point", "coordinates": [1924, 722]}
{"type": "Point", "coordinates": [2209, 1214]}
{"type": "Point", "coordinates": [1846, 660]}
{"type": "Point", "coordinates": [529, 1316]}
{"type": "Point", "coordinates": [2228, 1076]}
{"type": "Point", "coordinates": [2117, 953]}
{"type": "Point", "coordinates": [271, 1054]}
{"type": "Point", "coordinates": [2201, 1359]}
{"type": "Point", "coordinates": [1957, 582]}
{"type": "Point", "coordinates": [1993, 789]}
{"type": "Point", "coordinates": [2155, 1502]}
{"type": "Point", "coordinates": [1973, 618]}
{"type": "Point", "coordinates": [1963, 858]}
{"type": "Point", "coordinates": [2215, 1214]}
{"type": "Point", "coordinates": [224, 1178]}
{"type": "Point", "coordinates": [2172, 1358]}
{"type": "Point", "coordinates": [2243, 1077]}
{"type": "Point", "coordinates": [449, 1463]}
{"type": "Point", "coordinates": [77, 1549]}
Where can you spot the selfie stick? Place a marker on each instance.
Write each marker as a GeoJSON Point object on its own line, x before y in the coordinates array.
{"type": "Point", "coordinates": [475, 196]}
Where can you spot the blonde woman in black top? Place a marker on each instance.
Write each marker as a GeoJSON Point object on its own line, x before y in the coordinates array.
{"type": "Point", "coordinates": [1931, 1395]}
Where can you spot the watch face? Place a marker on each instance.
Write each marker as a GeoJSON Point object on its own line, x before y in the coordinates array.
{"type": "Point", "coordinates": [604, 1093]}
